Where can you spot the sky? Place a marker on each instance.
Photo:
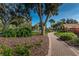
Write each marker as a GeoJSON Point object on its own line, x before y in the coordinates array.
{"type": "Point", "coordinates": [66, 10]}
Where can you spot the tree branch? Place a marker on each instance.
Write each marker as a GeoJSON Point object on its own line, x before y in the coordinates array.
{"type": "Point", "coordinates": [46, 18]}
{"type": "Point", "coordinates": [39, 12]}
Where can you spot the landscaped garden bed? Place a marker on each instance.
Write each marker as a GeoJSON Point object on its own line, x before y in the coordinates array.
{"type": "Point", "coordinates": [21, 46]}
{"type": "Point", "coordinates": [69, 37]}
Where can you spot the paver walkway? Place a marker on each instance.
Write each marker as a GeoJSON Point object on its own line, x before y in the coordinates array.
{"type": "Point", "coordinates": [58, 48]}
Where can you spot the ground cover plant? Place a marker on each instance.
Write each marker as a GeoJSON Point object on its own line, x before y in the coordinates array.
{"type": "Point", "coordinates": [22, 46]}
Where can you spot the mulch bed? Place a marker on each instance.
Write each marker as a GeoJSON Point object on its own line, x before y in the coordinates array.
{"type": "Point", "coordinates": [37, 51]}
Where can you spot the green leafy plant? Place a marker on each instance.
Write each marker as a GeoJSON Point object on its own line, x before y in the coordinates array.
{"type": "Point", "coordinates": [6, 51]}
{"type": "Point", "coordinates": [24, 32]}
{"type": "Point", "coordinates": [39, 43]}
{"type": "Point", "coordinates": [75, 41]}
{"type": "Point", "coordinates": [18, 32]}
{"type": "Point", "coordinates": [9, 33]}
{"type": "Point", "coordinates": [66, 35]}
{"type": "Point", "coordinates": [22, 50]}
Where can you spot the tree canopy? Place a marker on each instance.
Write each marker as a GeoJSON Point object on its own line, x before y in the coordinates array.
{"type": "Point", "coordinates": [10, 11]}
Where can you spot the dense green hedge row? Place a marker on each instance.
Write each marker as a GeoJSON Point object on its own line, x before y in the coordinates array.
{"type": "Point", "coordinates": [18, 32]}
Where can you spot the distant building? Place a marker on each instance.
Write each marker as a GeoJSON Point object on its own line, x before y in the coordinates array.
{"type": "Point", "coordinates": [71, 27]}
{"type": "Point", "coordinates": [36, 27]}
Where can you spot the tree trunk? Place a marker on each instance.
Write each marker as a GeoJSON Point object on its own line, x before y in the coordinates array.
{"type": "Point", "coordinates": [43, 29]}
{"type": "Point", "coordinates": [5, 26]}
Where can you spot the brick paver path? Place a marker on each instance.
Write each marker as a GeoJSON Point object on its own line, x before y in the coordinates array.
{"type": "Point", "coordinates": [58, 48]}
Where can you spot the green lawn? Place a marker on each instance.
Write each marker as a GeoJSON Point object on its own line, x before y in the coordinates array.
{"type": "Point", "coordinates": [35, 33]}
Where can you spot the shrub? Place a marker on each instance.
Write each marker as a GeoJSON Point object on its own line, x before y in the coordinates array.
{"type": "Point", "coordinates": [9, 33]}
{"type": "Point", "coordinates": [23, 32]}
{"type": "Point", "coordinates": [22, 50]}
{"type": "Point", "coordinates": [6, 51]}
{"type": "Point", "coordinates": [39, 43]}
{"type": "Point", "coordinates": [66, 35]}
{"type": "Point", "coordinates": [74, 41]}
{"type": "Point", "coordinates": [18, 32]}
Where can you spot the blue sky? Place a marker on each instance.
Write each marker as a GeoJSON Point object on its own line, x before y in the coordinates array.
{"type": "Point", "coordinates": [65, 11]}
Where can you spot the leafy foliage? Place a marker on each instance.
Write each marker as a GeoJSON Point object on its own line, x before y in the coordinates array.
{"type": "Point", "coordinates": [22, 50]}
{"type": "Point", "coordinates": [9, 33]}
{"type": "Point", "coordinates": [13, 14]}
{"type": "Point", "coordinates": [66, 35]}
{"type": "Point", "coordinates": [6, 51]}
{"type": "Point", "coordinates": [75, 41]}
{"type": "Point", "coordinates": [18, 32]}
{"type": "Point", "coordinates": [39, 43]}
{"type": "Point", "coordinates": [70, 37]}
{"type": "Point", "coordinates": [23, 32]}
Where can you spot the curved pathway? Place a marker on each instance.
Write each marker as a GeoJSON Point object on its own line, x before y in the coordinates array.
{"type": "Point", "coordinates": [58, 48]}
